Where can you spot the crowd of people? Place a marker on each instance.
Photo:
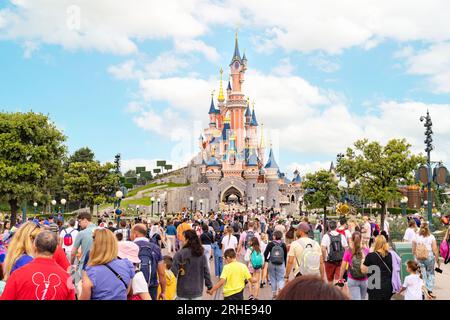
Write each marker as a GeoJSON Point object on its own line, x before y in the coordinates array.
{"type": "Point", "coordinates": [228, 255]}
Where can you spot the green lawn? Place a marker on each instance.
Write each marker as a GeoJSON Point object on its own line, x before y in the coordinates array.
{"type": "Point", "coordinates": [134, 192]}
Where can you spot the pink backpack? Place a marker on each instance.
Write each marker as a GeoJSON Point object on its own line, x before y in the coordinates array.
{"type": "Point", "coordinates": [445, 251]}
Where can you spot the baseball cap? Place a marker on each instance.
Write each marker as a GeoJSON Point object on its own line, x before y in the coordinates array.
{"type": "Point", "coordinates": [129, 250]}
{"type": "Point", "coordinates": [302, 226]}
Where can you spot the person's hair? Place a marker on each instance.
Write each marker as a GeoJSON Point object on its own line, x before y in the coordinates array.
{"type": "Point", "coordinates": [123, 224]}
{"type": "Point", "coordinates": [384, 234]}
{"type": "Point", "coordinates": [110, 223]}
{"type": "Point", "coordinates": [424, 230]}
{"type": "Point", "coordinates": [230, 253]}
{"type": "Point", "coordinates": [332, 225]}
{"type": "Point", "coordinates": [251, 224]}
{"type": "Point", "coordinates": [205, 228]}
{"type": "Point", "coordinates": [46, 243]}
{"type": "Point", "coordinates": [229, 230]}
{"type": "Point", "coordinates": [413, 265]}
{"type": "Point", "coordinates": [381, 245]}
{"type": "Point", "coordinates": [356, 239]}
{"type": "Point", "coordinates": [140, 228]}
{"type": "Point", "coordinates": [193, 243]}
{"type": "Point", "coordinates": [119, 236]}
{"type": "Point", "coordinates": [104, 248]}
{"type": "Point", "coordinates": [343, 220]}
{"type": "Point", "coordinates": [21, 243]}
{"type": "Point", "coordinates": [412, 224]}
{"type": "Point", "coordinates": [85, 215]}
{"type": "Point", "coordinates": [310, 287]}
{"type": "Point", "coordinates": [305, 219]}
{"type": "Point", "coordinates": [277, 235]}
{"type": "Point", "coordinates": [254, 243]}
{"type": "Point", "coordinates": [168, 261]}
{"type": "Point", "coordinates": [72, 222]}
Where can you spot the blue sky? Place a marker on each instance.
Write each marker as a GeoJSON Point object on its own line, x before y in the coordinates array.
{"type": "Point", "coordinates": [126, 83]}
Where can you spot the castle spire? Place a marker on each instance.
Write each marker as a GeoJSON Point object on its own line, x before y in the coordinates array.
{"type": "Point", "coordinates": [254, 123]}
{"type": "Point", "coordinates": [221, 97]}
{"type": "Point", "coordinates": [212, 108]}
{"type": "Point", "coordinates": [236, 55]}
{"type": "Point", "coordinates": [271, 163]}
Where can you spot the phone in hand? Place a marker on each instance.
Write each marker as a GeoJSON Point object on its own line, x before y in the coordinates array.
{"type": "Point", "coordinates": [438, 270]}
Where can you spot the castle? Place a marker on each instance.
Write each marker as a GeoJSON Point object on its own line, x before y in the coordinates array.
{"type": "Point", "coordinates": [231, 167]}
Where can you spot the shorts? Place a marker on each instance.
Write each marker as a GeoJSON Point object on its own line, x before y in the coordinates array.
{"type": "Point", "coordinates": [236, 296]}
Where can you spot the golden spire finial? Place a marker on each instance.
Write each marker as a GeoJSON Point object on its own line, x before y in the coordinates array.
{"type": "Point", "coordinates": [248, 101]}
{"type": "Point", "coordinates": [221, 97]}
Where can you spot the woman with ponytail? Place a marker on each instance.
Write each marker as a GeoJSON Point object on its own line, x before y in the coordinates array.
{"type": "Point", "coordinates": [352, 261]}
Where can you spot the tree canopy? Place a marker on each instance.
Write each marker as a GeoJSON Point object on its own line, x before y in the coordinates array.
{"type": "Point", "coordinates": [322, 189]}
{"type": "Point", "coordinates": [82, 155]}
{"type": "Point", "coordinates": [379, 170]}
{"type": "Point", "coordinates": [31, 155]}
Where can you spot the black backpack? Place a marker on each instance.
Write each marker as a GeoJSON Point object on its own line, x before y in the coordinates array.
{"type": "Point", "coordinates": [277, 254]}
{"type": "Point", "coordinates": [216, 226]}
{"type": "Point", "coordinates": [336, 249]}
{"type": "Point", "coordinates": [149, 262]}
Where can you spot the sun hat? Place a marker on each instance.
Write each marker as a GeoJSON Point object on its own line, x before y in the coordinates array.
{"type": "Point", "coordinates": [129, 250]}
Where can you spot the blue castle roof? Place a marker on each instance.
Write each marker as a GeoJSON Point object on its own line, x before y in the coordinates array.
{"type": "Point", "coordinates": [254, 123]}
{"type": "Point", "coordinates": [252, 160]}
{"type": "Point", "coordinates": [248, 113]}
{"type": "Point", "coordinates": [213, 162]}
{"type": "Point", "coordinates": [271, 163]}
{"type": "Point", "coordinates": [212, 108]}
{"type": "Point", "coordinates": [297, 179]}
{"type": "Point", "coordinates": [229, 85]}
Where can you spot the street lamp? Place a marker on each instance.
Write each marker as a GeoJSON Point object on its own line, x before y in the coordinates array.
{"type": "Point", "coordinates": [300, 203]}
{"type": "Point", "coordinates": [152, 200]}
{"type": "Point", "coordinates": [137, 210]}
{"type": "Point", "coordinates": [428, 143]}
{"type": "Point", "coordinates": [53, 204]}
{"type": "Point", "coordinates": [63, 203]}
{"type": "Point", "coordinates": [262, 203]}
{"type": "Point", "coordinates": [35, 204]}
{"type": "Point", "coordinates": [201, 204]}
{"type": "Point", "coordinates": [273, 202]}
{"type": "Point", "coordinates": [191, 199]}
{"type": "Point", "coordinates": [257, 204]}
{"type": "Point", "coordinates": [403, 203]}
{"type": "Point", "coordinates": [119, 195]}
{"type": "Point", "coordinates": [159, 202]}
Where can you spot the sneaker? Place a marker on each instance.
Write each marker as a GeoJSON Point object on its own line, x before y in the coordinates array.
{"type": "Point", "coordinates": [261, 285]}
{"type": "Point", "coordinates": [251, 297]}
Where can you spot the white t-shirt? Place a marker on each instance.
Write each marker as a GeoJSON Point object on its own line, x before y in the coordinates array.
{"type": "Point", "coordinates": [413, 285]}
{"type": "Point", "coordinates": [139, 284]}
{"type": "Point", "coordinates": [326, 241]}
{"type": "Point", "coordinates": [73, 232]}
{"type": "Point", "coordinates": [410, 234]}
{"type": "Point", "coordinates": [428, 241]}
{"type": "Point", "coordinates": [229, 242]}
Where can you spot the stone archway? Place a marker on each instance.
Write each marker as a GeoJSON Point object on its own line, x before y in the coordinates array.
{"type": "Point", "coordinates": [232, 195]}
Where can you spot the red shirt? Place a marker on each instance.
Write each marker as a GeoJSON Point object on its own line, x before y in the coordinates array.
{"type": "Point", "coordinates": [60, 258]}
{"type": "Point", "coordinates": [41, 279]}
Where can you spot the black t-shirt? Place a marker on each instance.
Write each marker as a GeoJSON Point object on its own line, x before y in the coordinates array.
{"type": "Point", "coordinates": [206, 238]}
{"type": "Point", "coordinates": [385, 266]}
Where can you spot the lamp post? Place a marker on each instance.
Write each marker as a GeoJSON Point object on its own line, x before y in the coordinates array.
{"type": "Point", "coordinates": [119, 195]}
{"type": "Point", "coordinates": [35, 204]}
{"type": "Point", "coordinates": [257, 204]}
{"type": "Point", "coordinates": [273, 203]}
{"type": "Point", "coordinates": [159, 203]}
{"type": "Point", "coordinates": [300, 204]}
{"type": "Point", "coordinates": [152, 200]}
{"type": "Point", "coordinates": [53, 204]}
{"type": "Point", "coordinates": [403, 203]}
{"type": "Point", "coordinates": [137, 210]}
{"type": "Point", "coordinates": [63, 203]}
{"type": "Point", "coordinates": [429, 146]}
{"type": "Point", "coordinates": [191, 199]}
{"type": "Point", "coordinates": [201, 204]}
{"type": "Point", "coordinates": [262, 203]}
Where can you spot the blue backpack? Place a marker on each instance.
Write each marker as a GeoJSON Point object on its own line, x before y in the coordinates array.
{"type": "Point", "coordinates": [149, 254]}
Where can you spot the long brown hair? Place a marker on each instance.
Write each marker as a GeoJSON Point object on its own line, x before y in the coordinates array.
{"type": "Point", "coordinates": [424, 230]}
{"type": "Point", "coordinates": [356, 239]}
{"type": "Point", "coordinates": [254, 243]}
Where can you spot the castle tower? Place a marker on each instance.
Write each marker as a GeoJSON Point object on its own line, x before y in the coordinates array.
{"type": "Point", "coordinates": [272, 177]}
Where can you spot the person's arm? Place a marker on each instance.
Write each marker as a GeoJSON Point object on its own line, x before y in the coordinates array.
{"type": "Point", "coordinates": [290, 264]}
{"type": "Point", "coordinates": [365, 265]}
{"type": "Point", "coordinates": [343, 268]}
{"type": "Point", "coordinates": [267, 251]}
{"type": "Point", "coordinates": [9, 293]}
{"type": "Point", "coordinates": [436, 253]}
{"type": "Point", "coordinates": [86, 287]}
{"type": "Point", "coordinates": [74, 252]}
{"type": "Point", "coordinates": [217, 286]}
{"type": "Point", "coordinates": [207, 274]}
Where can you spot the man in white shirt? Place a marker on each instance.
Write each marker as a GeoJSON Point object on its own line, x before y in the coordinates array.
{"type": "Point", "coordinates": [333, 245]}
{"type": "Point", "coordinates": [70, 233]}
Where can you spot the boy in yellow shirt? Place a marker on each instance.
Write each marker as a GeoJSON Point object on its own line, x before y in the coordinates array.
{"type": "Point", "coordinates": [234, 277]}
{"type": "Point", "coordinates": [171, 280]}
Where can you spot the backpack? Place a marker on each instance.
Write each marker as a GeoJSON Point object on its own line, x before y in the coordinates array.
{"type": "Point", "coordinates": [68, 239]}
{"type": "Point", "coordinates": [149, 261]}
{"type": "Point", "coordinates": [336, 249]}
{"type": "Point", "coordinates": [311, 259]}
{"type": "Point", "coordinates": [256, 260]}
{"type": "Point", "coordinates": [216, 226]}
{"type": "Point", "coordinates": [421, 252]}
{"type": "Point", "coordinates": [235, 227]}
{"type": "Point", "coordinates": [277, 254]}
{"type": "Point", "coordinates": [445, 251]}
{"type": "Point", "coordinates": [355, 268]}
{"type": "Point", "coordinates": [250, 235]}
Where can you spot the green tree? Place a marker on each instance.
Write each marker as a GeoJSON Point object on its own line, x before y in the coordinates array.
{"type": "Point", "coordinates": [91, 183]}
{"type": "Point", "coordinates": [380, 170]}
{"type": "Point", "coordinates": [130, 174]}
{"type": "Point", "coordinates": [31, 155]}
{"type": "Point", "coordinates": [322, 189]}
{"type": "Point", "coordinates": [82, 155]}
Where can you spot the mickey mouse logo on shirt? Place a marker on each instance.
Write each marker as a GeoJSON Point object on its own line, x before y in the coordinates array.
{"type": "Point", "coordinates": [45, 288]}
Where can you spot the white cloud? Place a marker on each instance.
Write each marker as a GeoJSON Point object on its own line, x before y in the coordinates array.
{"type": "Point", "coordinates": [434, 63]}
{"type": "Point", "coordinates": [165, 64]}
{"type": "Point", "coordinates": [189, 45]}
{"type": "Point", "coordinates": [29, 48]}
{"type": "Point", "coordinates": [125, 71]}
{"type": "Point", "coordinates": [284, 68]}
{"type": "Point", "coordinates": [309, 167]}
{"type": "Point", "coordinates": [324, 64]}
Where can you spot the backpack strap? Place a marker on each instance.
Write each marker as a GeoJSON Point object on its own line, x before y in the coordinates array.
{"type": "Point", "coordinates": [118, 276]}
